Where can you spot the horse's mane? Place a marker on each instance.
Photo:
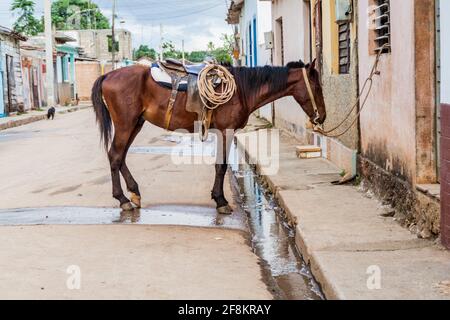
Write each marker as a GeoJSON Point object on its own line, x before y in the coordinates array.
{"type": "Point", "coordinates": [251, 80]}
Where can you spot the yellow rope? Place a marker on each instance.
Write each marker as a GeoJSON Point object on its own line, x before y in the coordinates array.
{"type": "Point", "coordinates": [207, 80]}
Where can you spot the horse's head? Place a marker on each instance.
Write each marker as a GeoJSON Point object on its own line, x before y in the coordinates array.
{"type": "Point", "coordinates": [308, 92]}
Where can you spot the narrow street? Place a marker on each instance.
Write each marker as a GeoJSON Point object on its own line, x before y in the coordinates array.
{"type": "Point", "coordinates": [57, 215]}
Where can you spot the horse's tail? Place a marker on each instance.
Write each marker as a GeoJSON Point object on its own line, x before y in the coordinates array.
{"type": "Point", "coordinates": [101, 112]}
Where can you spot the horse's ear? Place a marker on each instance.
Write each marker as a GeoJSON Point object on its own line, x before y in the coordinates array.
{"type": "Point", "coordinates": [311, 67]}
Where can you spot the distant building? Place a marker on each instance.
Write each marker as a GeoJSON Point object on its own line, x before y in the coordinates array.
{"type": "Point", "coordinates": [66, 82]}
{"type": "Point", "coordinates": [11, 82]}
{"type": "Point", "coordinates": [98, 44]}
{"type": "Point", "coordinates": [145, 61]}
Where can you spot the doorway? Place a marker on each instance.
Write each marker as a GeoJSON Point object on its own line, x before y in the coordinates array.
{"type": "Point", "coordinates": [10, 83]}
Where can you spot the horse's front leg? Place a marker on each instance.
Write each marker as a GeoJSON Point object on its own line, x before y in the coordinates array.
{"type": "Point", "coordinates": [217, 192]}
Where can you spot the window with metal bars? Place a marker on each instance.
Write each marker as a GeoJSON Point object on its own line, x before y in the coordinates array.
{"type": "Point", "coordinates": [382, 26]}
{"type": "Point", "coordinates": [344, 48]}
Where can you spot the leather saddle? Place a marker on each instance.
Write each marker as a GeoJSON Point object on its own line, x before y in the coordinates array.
{"type": "Point", "coordinates": [183, 75]}
{"type": "Point", "coordinates": [178, 66]}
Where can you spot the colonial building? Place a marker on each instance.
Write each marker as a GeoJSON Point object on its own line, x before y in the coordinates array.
{"type": "Point", "coordinates": [11, 81]}
{"type": "Point", "coordinates": [394, 144]}
{"type": "Point", "coordinates": [335, 45]}
{"type": "Point", "coordinates": [253, 36]}
{"type": "Point", "coordinates": [292, 42]}
{"type": "Point", "coordinates": [33, 70]}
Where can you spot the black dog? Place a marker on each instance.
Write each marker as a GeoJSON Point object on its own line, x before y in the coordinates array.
{"type": "Point", "coordinates": [51, 113]}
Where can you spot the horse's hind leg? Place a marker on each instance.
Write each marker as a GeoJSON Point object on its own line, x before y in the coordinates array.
{"type": "Point", "coordinates": [132, 185]}
{"type": "Point", "coordinates": [116, 158]}
{"type": "Point", "coordinates": [217, 192]}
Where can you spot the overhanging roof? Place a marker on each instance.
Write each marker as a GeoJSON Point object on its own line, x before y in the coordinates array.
{"type": "Point", "coordinates": [234, 11]}
{"type": "Point", "coordinates": [12, 33]}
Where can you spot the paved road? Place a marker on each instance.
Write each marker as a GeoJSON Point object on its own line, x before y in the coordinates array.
{"type": "Point", "coordinates": [60, 163]}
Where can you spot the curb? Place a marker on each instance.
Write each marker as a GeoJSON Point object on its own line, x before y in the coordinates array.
{"type": "Point", "coordinates": [21, 122]}
{"type": "Point", "coordinates": [329, 290]}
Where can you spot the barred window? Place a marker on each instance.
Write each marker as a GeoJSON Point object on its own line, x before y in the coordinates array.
{"type": "Point", "coordinates": [382, 26]}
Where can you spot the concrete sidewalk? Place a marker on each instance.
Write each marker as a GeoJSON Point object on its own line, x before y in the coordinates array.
{"type": "Point", "coordinates": [354, 252]}
{"type": "Point", "coordinates": [33, 116]}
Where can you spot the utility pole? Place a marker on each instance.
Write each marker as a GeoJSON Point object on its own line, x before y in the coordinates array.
{"type": "Point", "coordinates": [161, 53]}
{"type": "Point", "coordinates": [113, 36]}
{"type": "Point", "coordinates": [182, 51]}
{"type": "Point", "coordinates": [49, 75]}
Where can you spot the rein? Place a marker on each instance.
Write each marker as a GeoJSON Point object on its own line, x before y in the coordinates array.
{"type": "Point", "coordinates": [311, 95]}
{"type": "Point", "coordinates": [369, 81]}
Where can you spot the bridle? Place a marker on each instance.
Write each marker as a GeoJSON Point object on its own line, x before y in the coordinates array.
{"type": "Point", "coordinates": [316, 119]}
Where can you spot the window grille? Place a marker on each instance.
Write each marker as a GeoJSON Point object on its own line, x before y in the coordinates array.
{"type": "Point", "coordinates": [382, 26]}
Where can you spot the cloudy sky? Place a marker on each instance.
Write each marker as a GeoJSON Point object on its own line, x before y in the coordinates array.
{"type": "Point", "coordinates": [195, 21]}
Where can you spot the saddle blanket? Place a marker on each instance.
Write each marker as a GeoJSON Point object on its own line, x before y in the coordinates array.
{"type": "Point", "coordinates": [163, 78]}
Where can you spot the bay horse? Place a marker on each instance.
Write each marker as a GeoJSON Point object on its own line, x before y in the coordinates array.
{"type": "Point", "coordinates": [128, 97]}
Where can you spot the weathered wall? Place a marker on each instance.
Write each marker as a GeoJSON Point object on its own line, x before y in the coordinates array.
{"type": "Point", "coordinates": [89, 72]}
{"type": "Point", "coordinates": [33, 78]}
{"type": "Point", "coordinates": [398, 125]}
{"type": "Point", "coordinates": [340, 90]}
{"type": "Point", "coordinates": [425, 91]}
{"type": "Point", "coordinates": [388, 135]}
{"type": "Point", "coordinates": [64, 93]}
{"type": "Point", "coordinates": [445, 176]}
{"type": "Point", "coordinates": [295, 16]}
{"type": "Point", "coordinates": [9, 46]}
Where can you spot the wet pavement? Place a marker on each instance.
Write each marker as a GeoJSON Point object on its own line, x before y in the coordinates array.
{"type": "Point", "coordinates": [256, 213]}
{"type": "Point", "coordinates": [159, 215]}
{"type": "Point", "coordinates": [273, 239]}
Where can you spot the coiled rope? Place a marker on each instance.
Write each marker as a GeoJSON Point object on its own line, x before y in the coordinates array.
{"type": "Point", "coordinates": [368, 83]}
{"type": "Point", "coordinates": [209, 79]}
{"type": "Point", "coordinates": [207, 84]}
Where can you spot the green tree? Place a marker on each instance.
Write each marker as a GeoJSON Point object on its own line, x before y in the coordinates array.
{"type": "Point", "coordinates": [223, 53]}
{"type": "Point", "coordinates": [78, 14]}
{"type": "Point", "coordinates": [26, 22]}
{"type": "Point", "coordinates": [196, 56]}
{"type": "Point", "coordinates": [144, 51]}
{"type": "Point", "coordinates": [170, 51]}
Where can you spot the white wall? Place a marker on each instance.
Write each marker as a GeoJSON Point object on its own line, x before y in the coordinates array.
{"type": "Point", "coordinates": [288, 114]}
{"type": "Point", "coordinates": [262, 11]}
{"type": "Point", "coordinates": [445, 51]}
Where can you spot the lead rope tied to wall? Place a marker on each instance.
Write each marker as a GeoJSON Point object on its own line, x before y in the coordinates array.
{"type": "Point", "coordinates": [368, 83]}
{"type": "Point", "coordinates": [208, 79]}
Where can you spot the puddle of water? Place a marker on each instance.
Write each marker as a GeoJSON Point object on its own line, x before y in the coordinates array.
{"type": "Point", "coordinates": [158, 215]}
{"type": "Point", "coordinates": [273, 240]}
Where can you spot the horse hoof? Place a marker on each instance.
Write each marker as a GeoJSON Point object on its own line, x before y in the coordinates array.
{"type": "Point", "coordinates": [225, 210]}
{"type": "Point", "coordinates": [127, 206]}
{"type": "Point", "coordinates": [136, 200]}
